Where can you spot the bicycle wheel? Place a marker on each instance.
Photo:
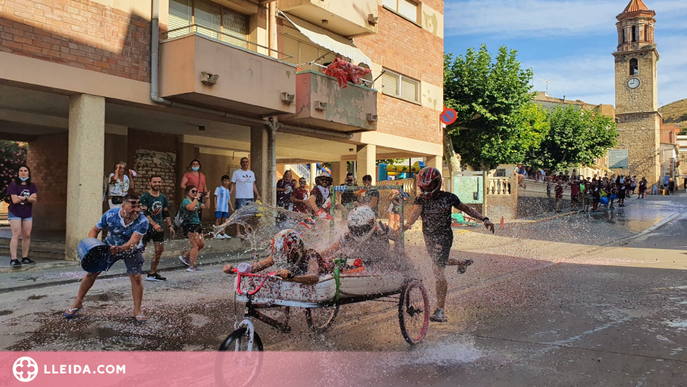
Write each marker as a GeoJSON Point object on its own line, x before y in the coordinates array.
{"type": "Point", "coordinates": [320, 319]}
{"type": "Point", "coordinates": [413, 312]}
{"type": "Point", "coordinates": [240, 363]}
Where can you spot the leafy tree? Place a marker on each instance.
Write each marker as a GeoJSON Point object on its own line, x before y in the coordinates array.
{"type": "Point", "coordinates": [391, 161]}
{"type": "Point", "coordinates": [12, 155]}
{"type": "Point", "coordinates": [576, 137]}
{"type": "Point", "coordinates": [496, 123]}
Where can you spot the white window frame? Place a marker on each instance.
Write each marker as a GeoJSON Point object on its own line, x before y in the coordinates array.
{"type": "Point", "coordinates": [399, 91]}
{"type": "Point", "coordinates": [396, 9]}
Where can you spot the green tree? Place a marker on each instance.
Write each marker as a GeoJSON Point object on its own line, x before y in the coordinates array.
{"type": "Point", "coordinates": [496, 123]}
{"type": "Point", "coordinates": [575, 138]}
{"type": "Point", "coordinates": [391, 161]}
{"type": "Point", "coordinates": [12, 155]}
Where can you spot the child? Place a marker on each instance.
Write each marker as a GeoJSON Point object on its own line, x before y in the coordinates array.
{"type": "Point", "coordinates": [587, 196]}
{"type": "Point", "coordinates": [612, 195]}
{"type": "Point", "coordinates": [559, 194]}
{"type": "Point", "coordinates": [395, 209]}
{"type": "Point", "coordinates": [596, 195]}
{"type": "Point", "coordinates": [222, 205]}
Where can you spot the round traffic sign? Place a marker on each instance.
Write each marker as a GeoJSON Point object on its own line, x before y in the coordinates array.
{"type": "Point", "coordinates": [448, 116]}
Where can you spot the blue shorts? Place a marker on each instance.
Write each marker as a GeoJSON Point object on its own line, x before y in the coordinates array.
{"type": "Point", "coordinates": [243, 202]}
{"type": "Point", "coordinates": [11, 216]}
{"type": "Point", "coordinates": [132, 260]}
{"type": "Point", "coordinates": [221, 214]}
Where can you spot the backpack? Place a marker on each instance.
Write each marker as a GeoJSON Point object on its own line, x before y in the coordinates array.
{"type": "Point", "coordinates": [178, 219]}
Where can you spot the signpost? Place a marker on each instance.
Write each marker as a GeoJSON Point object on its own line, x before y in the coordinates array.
{"type": "Point", "coordinates": [448, 116]}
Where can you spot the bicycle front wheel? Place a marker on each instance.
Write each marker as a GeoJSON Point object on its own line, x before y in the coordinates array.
{"type": "Point", "coordinates": [244, 362]}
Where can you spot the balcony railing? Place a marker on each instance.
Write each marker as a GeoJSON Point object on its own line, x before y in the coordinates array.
{"type": "Point", "coordinates": [224, 38]}
{"type": "Point", "coordinates": [320, 68]}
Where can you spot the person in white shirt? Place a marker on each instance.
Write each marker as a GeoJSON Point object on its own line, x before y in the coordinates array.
{"type": "Point", "coordinates": [222, 205]}
{"type": "Point", "coordinates": [119, 185]}
{"type": "Point", "coordinates": [243, 188]}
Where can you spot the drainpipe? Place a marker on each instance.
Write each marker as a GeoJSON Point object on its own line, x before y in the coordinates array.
{"type": "Point", "coordinates": [272, 160]}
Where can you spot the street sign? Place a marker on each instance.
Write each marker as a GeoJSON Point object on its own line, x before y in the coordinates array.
{"type": "Point", "coordinates": [618, 159]}
{"type": "Point", "coordinates": [469, 189]}
{"type": "Point", "coordinates": [448, 116]}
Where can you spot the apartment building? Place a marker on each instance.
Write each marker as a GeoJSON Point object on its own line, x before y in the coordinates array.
{"type": "Point", "coordinates": [158, 83]}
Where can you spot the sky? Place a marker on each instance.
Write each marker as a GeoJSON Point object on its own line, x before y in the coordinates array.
{"type": "Point", "coordinates": [569, 42]}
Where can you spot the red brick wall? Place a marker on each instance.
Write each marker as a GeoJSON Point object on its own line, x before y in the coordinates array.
{"type": "Point", "coordinates": [47, 158]}
{"type": "Point", "coordinates": [410, 50]}
{"type": "Point", "coordinates": [77, 33]}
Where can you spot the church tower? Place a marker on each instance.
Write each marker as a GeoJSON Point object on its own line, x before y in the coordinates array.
{"type": "Point", "coordinates": [636, 95]}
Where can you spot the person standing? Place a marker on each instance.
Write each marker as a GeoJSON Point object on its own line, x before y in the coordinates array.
{"type": "Point", "coordinates": [284, 190]}
{"type": "Point", "coordinates": [642, 188]}
{"type": "Point", "coordinates": [348, 199]}
{"type": "Point", "coordinates": [299, 198]}
{"type": "Point", "coordinates": [371, 196]}
{"type": "Point", "coordinates": [190, 208]}
{"type": "Point", "coordinates": [434, 207]}
{"type": "Point", "coordinates": [197, 179]}
{"type": "Point", "coordinates": [559, 194]}
{"type": "Point", "coordinates": [243, 188]}
{"type": "Point", "coordinates": [126, 226]}
{"type": "Point", "coordinates": [222, 205]}
{"type": "Point", "coordinates": [22, 193]}
{"type": "Point", "coordinates": [119, 185]}
{"type": "Point", "coordinates": [321, 196]}
{"type": "Point", "coordinates": [155, 207]}
{"type": "Point", "coordinates": [574, 193]}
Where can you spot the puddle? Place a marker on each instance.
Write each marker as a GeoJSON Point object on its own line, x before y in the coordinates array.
{"type": "Point", "coordinates": [36, 297]}
{"type": "Point", "coordinates": [6, 312]}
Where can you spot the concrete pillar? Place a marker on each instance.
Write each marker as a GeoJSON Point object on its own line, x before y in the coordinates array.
{"type": "Point", "coordinates": [86, 160]}
{"type": "Point", "coordinates": [366, 163]}
{"type": "Point", "coordinates": [339, 172]}
{"type": "Point", "coordinates": [437, 162]}
{"type": "Point", "coordinates": [313, 174]}
{"type": "Point", "coordinates": [259, 158]}
{"type": "Point", "coordinates": [270, 196]}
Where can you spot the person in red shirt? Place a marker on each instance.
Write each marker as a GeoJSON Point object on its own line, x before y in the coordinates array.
{"type": "Point", "coordinates": [574, 193]}
{"type": "Point", "coordinates": [299, 197]}
{"type": "Point", "coordinates": [559, 194]}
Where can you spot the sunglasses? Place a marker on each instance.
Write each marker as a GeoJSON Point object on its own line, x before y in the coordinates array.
{"type": "Point", "coordinates": [194, 191]}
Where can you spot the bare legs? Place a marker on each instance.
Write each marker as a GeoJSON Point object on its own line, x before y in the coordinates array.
{"type": "Point", "coordinates": [20, 228]}
{"type": "Point", "coordinates": [441, 285]}
{"type": "Point", "coordinates": [197, 244]}
{"type": "Point", "coordinates": [88, 281]}
{"type": "Point", "coordinates": [159, 249]}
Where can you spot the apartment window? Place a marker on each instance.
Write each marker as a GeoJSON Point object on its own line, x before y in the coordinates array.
{"type": "Point", "coordinates": [405, 8]}
{"type": "Point", "coordinates": [400, 86]}
{"type": "Point", "coordinates": [301, 50]}
{"type": "Point", "coordinates": [212, 19]}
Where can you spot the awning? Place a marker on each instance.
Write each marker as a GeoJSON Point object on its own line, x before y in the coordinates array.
{"type": "Point", "coordinates": [329, 40]}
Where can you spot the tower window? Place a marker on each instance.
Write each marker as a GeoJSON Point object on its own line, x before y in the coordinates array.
{"type": "Point", "coordinates": [647, 35]}
{"type": "Point", "coordinates": [634, 67]}
{"type": "Point", "coordinates": [634, 33]}
{"type": "Point", "coordinates": [624, 35]}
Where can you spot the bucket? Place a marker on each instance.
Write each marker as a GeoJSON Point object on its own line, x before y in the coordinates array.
{"type": "Point", "coordinates": [94, 255]}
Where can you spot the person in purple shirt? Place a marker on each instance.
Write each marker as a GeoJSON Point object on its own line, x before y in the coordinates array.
{"type": "Point", "coordinates": [126, 227]}
{"type": "Point", "coordinates": [22, 193]}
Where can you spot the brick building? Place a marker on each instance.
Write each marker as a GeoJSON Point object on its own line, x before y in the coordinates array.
{"type": "Point", "coordinates": [157, 83]}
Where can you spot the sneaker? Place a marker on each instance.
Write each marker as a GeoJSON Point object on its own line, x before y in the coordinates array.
{"type": "Point", "coordinates": [15, 263]}
{"type": "Point", "coordinates": [155, 277]}
{"type": "Point", "coordinates": [438, 316]}
{"type": "Point", "coordinates": [27, 261]}
{"type": "Point", "coordinates": [225, 236]}
{"type": "Point", "coordinates": [184, 260]}
{"type": "Point", "coordinates": [193, 268]}
{"type": "Point", "coordinates": [463, 267]}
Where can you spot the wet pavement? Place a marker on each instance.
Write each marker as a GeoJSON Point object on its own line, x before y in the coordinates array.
{"type": "Point", "coordinates": [577, 300]}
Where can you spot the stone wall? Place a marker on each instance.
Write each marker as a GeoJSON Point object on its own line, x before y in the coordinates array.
{"type": "Point", "coordinates": [641, 134]}
{"type": "Point", "coordinates": [47, 158]}
{"type": "Point", "coordinates": [148, 163]}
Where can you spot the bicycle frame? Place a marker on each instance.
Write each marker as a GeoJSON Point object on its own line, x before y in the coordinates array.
{"type": "Point", "coordinates": [251, 310]}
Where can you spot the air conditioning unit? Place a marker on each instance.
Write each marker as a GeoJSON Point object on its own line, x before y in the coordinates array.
{"type": "Point", "coordinates": [371, 117]}
{"type": "Point", "coordinates": [288, 98]}
{"type": "Point", "coordinates": [208, 79]}
{"type": "Point", "coordinates": [321, 106]}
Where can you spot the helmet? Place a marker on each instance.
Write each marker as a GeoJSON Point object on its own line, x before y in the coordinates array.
{"type": "Point", "coordinates": [429, 181]}
{"type": "Point", "coordinates": [285, 247]}
{"type": "Point", "coordinates": [361, 221]}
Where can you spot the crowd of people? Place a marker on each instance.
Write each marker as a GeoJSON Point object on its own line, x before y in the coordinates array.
{"type": "Point", "coordinates": [591, 192]}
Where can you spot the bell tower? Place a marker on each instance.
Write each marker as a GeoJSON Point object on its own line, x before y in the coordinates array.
{"type": "Point", "coordinates": [636, 94]}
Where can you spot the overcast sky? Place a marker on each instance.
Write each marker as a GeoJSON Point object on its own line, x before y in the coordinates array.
{"type": "Point", "coordinates": [570, 41]}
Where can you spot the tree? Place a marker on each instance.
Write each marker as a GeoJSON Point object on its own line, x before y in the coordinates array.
{"type": "Point", "coordinates": [391, 161]}
{"type": "Point", "coordinates": [575, 137]}
{"type": "Point", "coordinates": [493, 103]}
{"type": "Point", "coordinates": [12, 155]}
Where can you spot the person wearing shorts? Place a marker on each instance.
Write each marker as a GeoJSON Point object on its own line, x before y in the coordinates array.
{"type": "Point", "coordinates": [126, 227]}
{"type": "Point", "coordinates": [434, 207]}
{"type": "Point", "coordinates": [243, 188]}
{"type": "Point", "coordinates": [192, 204]}
{"type": "Point", "coordinates": [222, 205]}
{"type": "Point", "coordinates": [155, 207]}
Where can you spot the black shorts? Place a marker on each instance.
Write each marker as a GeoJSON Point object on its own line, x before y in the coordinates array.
{"type": "Point", "coordinates": [575, 199]}
{"type": "Point", "coordinates": [195, 228]}
{"type": "Point", "coordinates": [439, 249]}
{"type": "Point", "coordinates": [154, 236]}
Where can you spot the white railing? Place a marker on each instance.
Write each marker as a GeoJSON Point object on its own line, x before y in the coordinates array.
{"type": "Point", "coordinates": [499, 186]}
{"type": "Point", "coordinates": [303, 171]}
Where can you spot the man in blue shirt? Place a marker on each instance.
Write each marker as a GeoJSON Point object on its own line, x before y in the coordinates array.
{"type": "Point", "coordinates": [126, 227]}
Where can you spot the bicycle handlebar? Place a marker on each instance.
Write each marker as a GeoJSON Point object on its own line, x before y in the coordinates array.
{"type": "Point", "coordinates": [257, 289]}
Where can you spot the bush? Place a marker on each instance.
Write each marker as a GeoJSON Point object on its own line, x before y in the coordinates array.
{"type": "Point", "coordinates": [12, 155]}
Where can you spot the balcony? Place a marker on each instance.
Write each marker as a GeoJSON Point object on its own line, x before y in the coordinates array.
{"type": "Point", "coordinates": [347, 18]}
{"type": "Point", "coordinates": [320, 102]}
{"type": "Point", "coordinates": [203, 70]}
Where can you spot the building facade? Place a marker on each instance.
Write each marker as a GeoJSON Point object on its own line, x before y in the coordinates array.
{"type": "Point", "coordinates": [158, 83]}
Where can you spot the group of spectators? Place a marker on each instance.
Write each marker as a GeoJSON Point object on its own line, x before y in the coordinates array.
{"type": "Point", "coordinates": [592, 191]}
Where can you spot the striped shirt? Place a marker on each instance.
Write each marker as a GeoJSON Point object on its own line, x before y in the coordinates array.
{"type": "Point", "coordinates": [222, 199]}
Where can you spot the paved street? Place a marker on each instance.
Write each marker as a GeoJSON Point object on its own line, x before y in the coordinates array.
{"type": "Point", "coordinates": [575, 300]}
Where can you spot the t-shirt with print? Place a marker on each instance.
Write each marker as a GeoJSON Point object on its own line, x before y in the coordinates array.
{"type": "Point", "coordinates": [367, 199]}
{"type": "Point", "coordinates": [436, 214]}
{"type": "Point", "coordinates": [189, 217]}
{"type": "Point", "coordinates": [119, 233]}
{"type": "Point", "coordinates": [24, 209]}
{"type": "Point", "coordinates": [118, 187]}
{"type": "Point", "coordinates": [155, 205]}
{"type": "Point", "coordinates": [301, 194]}
{"type": "Point", "coordinates": [244, 183]}
{"type": "Point", "coordinates": [284, 198]}
{"type": "Point", "coordinates": [223, 198]}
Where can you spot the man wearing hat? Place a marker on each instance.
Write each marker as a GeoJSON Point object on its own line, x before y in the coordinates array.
{"type": "Point", "coordinates": [126, 227]}
{"type": "Point", "coordinates": [321, 196]}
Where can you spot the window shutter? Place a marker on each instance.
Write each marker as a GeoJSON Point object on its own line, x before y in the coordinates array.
{"type": "Point", "coordinates": [409, 89]}
{"type": "Point", "coordinates": [236, 25]}
{"type": "Point", "coordinates": [208, 15]}
{"type": "Point", "coordinates": [408, 9]}
{"type": "Point", "coordinates": [390, 83]}
{"type": "Point", "coordinates": [390, 4]}
{"type": "Point", "coordinates": [179, 16]}
{"type": "Point", "coordinates": [290, 47]}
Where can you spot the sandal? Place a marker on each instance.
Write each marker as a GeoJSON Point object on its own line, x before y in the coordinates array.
{"type": "Point", "coordinates": [70, 313]}
{"type": "Point", "coordinates": [141, 319]}
{"type": "Point", "coordinates": [463, 267]}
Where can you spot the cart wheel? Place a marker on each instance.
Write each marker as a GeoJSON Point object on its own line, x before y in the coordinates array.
{"type": "Point", "coordinates": [320, 319]}
{"type": "Point", "coordinates": [234, 361]}
{"type": "Point", "coordinates": [413, 311]}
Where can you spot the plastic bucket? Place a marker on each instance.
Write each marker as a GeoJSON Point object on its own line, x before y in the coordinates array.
{"type": "Point", "coordinates": [94, 255]}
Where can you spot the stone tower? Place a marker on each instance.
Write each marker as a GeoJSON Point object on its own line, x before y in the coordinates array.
{"type": "Point", "coordinates": [636, 96]}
